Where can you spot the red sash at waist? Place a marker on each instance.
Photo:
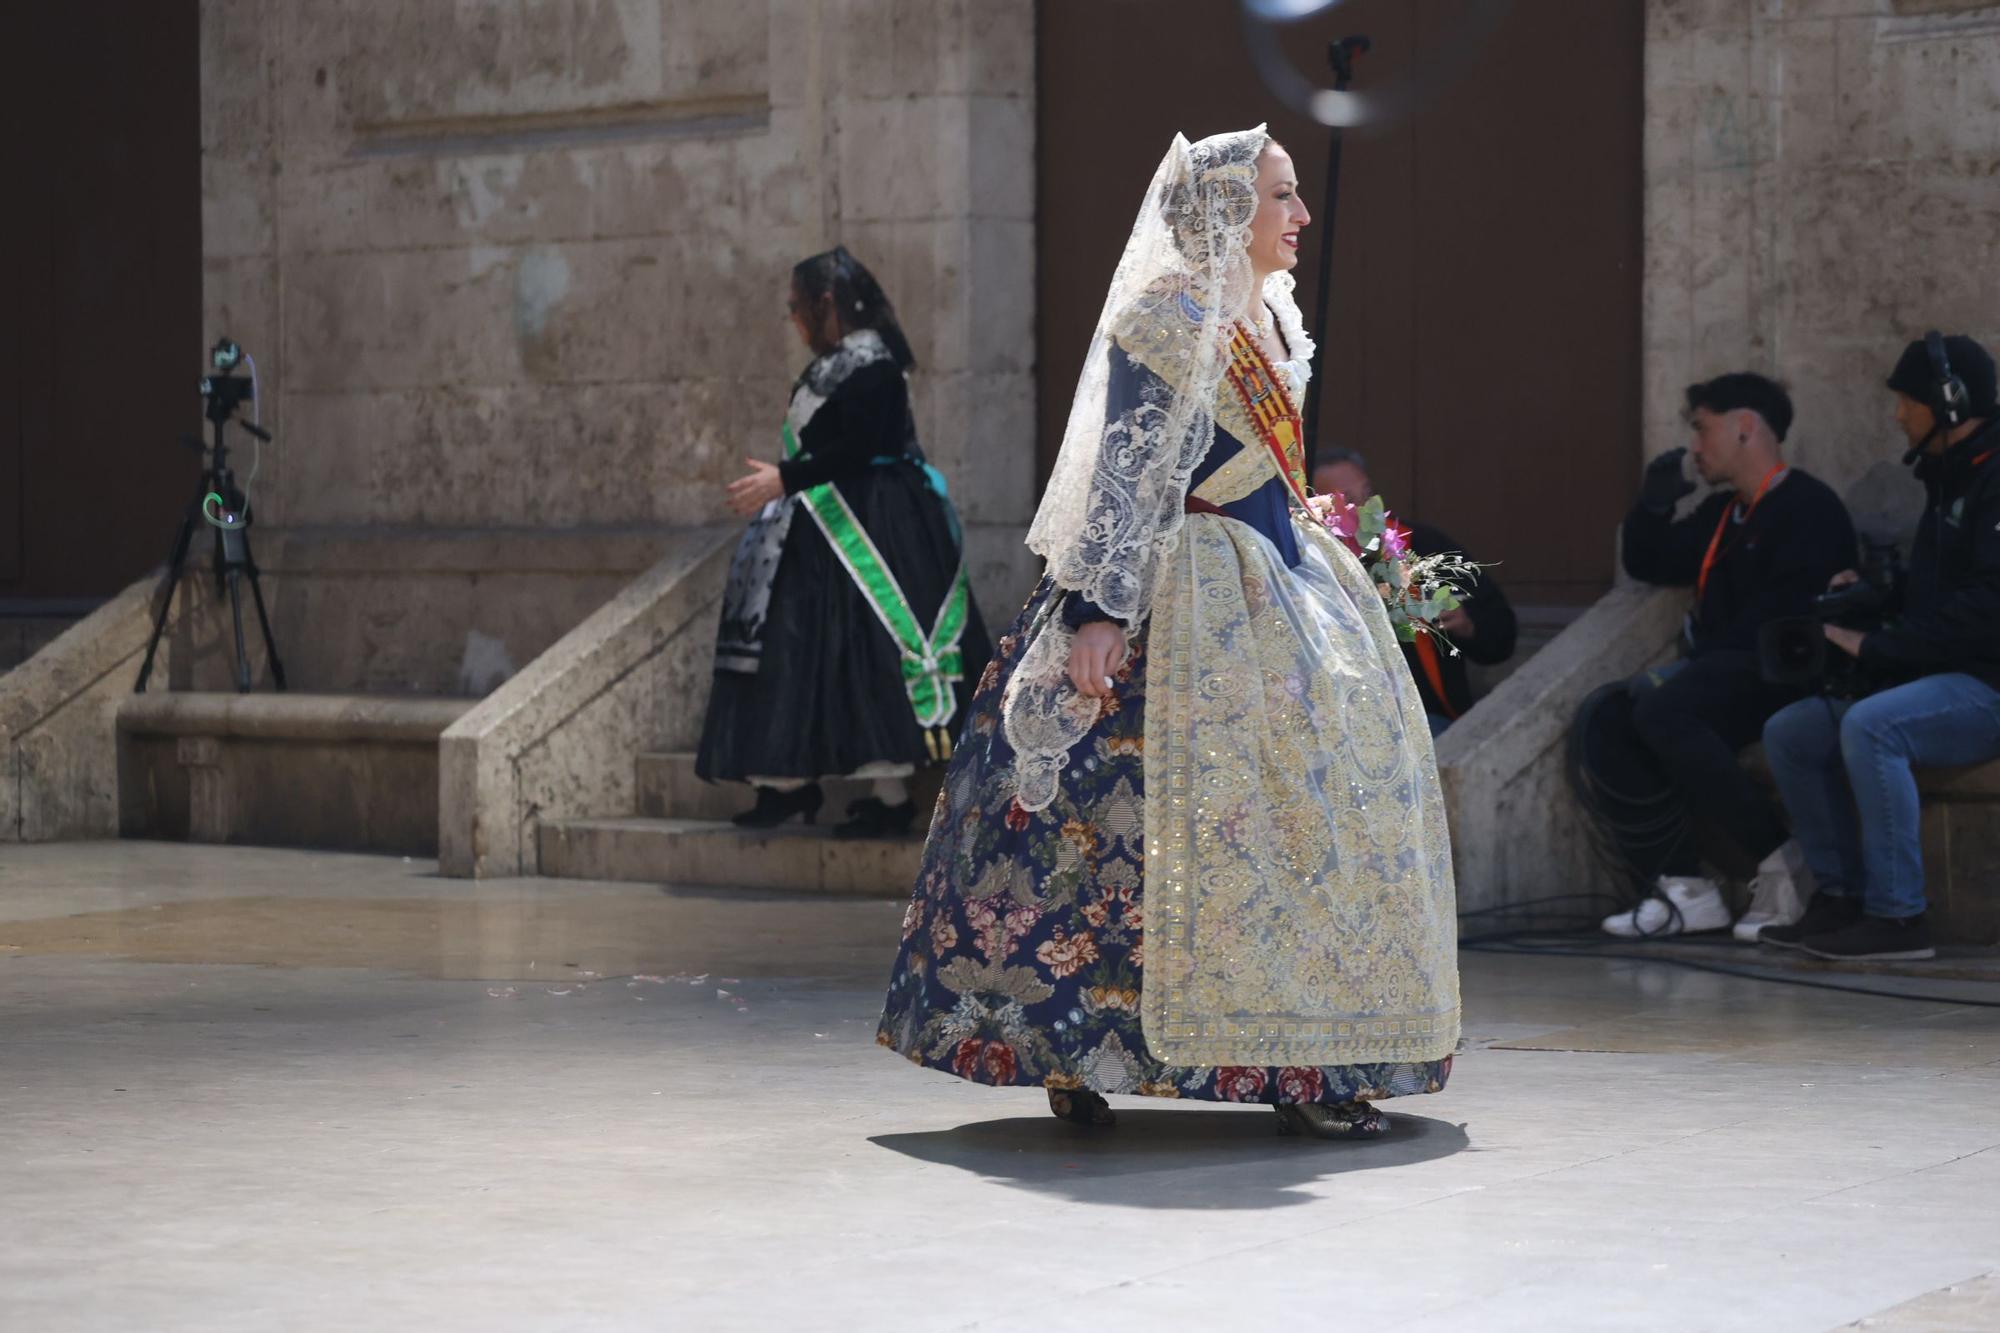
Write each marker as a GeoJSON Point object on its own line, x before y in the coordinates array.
{"type": "Point", "coordinates": [1196, 505]}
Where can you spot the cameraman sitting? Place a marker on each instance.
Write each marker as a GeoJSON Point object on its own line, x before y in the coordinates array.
{"type": "Point", "coordinates": [1945, 644]}
{"type": "Point", "coordinates": [1658, 753]}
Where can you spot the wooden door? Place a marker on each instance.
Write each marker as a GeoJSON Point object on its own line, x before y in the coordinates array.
{"type": "Point", "coordinates": [100, 291]}
{"type": "Point", "coordinates": [1483, 343]}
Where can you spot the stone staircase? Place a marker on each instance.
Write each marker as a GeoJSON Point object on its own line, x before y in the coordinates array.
{"type": "Point", "coordinates": [681, 835]}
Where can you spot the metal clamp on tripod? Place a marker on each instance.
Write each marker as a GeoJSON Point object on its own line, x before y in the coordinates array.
{"type": "Point", "coordinates": [223, 507]}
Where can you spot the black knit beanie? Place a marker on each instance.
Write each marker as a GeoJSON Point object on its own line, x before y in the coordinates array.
{"type": "Point", "coordinates": [1915, 378]}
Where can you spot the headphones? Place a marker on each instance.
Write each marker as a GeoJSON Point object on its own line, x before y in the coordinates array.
{"type": "Point", "coordinates": [1950, 398]}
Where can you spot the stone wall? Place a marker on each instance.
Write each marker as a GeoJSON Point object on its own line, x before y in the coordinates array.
{"type": "Point", "coordinates": [1822, 184]}
{"type": "Point", "coordinates": [516, 268]}
{"type": "Point", "coordinates": [1820, 188]}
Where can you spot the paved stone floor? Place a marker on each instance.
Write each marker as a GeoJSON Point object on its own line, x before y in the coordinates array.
{"type": "Point", "coordinates": [260, 1090]}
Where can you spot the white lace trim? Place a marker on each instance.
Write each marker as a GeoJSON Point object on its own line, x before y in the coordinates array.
{"type": "Point", "coordinates": [1113, 508]}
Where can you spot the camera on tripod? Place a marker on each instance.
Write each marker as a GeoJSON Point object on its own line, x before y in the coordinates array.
{"type": "Point", "coordinates": [224, 393]}
{"type": "Point", "coordinates": [1794, 651]}
{"type": "Point", "coordinates": [224, 508]}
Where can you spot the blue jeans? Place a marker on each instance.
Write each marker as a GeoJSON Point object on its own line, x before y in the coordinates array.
{"type": "Point", "coordinates": [1836, 760]}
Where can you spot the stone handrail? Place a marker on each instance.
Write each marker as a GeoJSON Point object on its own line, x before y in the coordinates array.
{"type": "Point", "coordinates": [1517, 834]}
{"type": "Point", "coordinates": [292, 717]}
{"type": "Point", "coordinates": [560, 739]}
{"type": "Point", "coordinates": [58, 737]}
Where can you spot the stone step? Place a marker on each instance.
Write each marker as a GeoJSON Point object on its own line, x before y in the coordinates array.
{"type": "Point", "coordinates": [669, 789]}
{"type": "Point", "coordinates": [791, 858]}
{"type": "Point", "coordinates": [349, 772]}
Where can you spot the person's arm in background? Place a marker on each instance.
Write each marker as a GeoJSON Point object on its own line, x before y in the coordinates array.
{"type": "Point", "coordinates": [1654, 547]}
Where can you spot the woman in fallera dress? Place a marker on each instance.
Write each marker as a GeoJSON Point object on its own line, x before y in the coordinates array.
{"type": "Point", "coordinates": [848, 622]}
{"type": "Point", "coordinates": [1191, 843]}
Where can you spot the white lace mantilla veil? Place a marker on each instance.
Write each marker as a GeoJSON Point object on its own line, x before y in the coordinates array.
{"type": "Point", "coordinates": [1114, 504]}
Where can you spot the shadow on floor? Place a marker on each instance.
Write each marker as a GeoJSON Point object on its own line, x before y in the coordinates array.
{"type": "Point", "coordinates": [1208, 1160]}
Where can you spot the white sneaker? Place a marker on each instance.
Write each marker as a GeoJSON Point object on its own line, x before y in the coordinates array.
{"type": "Point", "coordinates": [1681, 906]}
{"type": "Point", "coordinates": [1778, 894]}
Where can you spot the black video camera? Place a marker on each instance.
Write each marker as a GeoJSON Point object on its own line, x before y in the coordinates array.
{"type": "Point", "coordinates": [223, 393]}
{"type": "Point", "coordinates": [1794, 651]}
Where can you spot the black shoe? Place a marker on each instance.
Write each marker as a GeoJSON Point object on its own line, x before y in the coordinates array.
{"type": "Point", "coordinates": [1082, 1107]}
{"type": "Point", "coordinates": [873, 817]}
{"type": "Point", "coordinates": [1874, 937]}
{"type": "Point", "coordinates": [774, 807]}
{"type": "Point", "coordinates": [1348, 1120]}
{"type": "Point", "coordinates": [1826, 912]}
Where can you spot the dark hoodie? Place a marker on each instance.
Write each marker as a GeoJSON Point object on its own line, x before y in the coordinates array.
{"type": "Point", "coordinates": [1949, 614]}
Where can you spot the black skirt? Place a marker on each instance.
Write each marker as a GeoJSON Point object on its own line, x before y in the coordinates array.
{"type": "Point", "coordinates": [828, 697]}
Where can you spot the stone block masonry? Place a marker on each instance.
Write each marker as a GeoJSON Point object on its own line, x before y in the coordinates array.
{"type": "Point", "coordinates": [524, 267]}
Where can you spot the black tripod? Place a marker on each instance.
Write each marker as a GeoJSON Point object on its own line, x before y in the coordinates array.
{"type": "Point", "coordinates": [231, 524]}
{"type": "Point", "coordinates": [1341, 56]}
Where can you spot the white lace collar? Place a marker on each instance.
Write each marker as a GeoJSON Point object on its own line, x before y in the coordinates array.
{"type": "Point", "coordinates": [1297, 370]}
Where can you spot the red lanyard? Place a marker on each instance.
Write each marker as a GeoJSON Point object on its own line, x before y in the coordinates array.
{"type": "Point", "coordinates": [1715, 542]}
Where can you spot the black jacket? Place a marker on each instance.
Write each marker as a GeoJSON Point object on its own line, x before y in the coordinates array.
{"type": "Point", "coordinates": [867, 417]}
{"type": "Point", "coordinates": [1492, 617]}
{"type": "Point", "coordinates": [1769, 565]}
{"type": "Point", "coordinates": [1949, 618]}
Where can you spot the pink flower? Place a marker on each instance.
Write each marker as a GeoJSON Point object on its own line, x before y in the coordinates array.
{"type": "Point", "coordinates": [1344, 522]}
{"type": "Point", "coordinates": [1066, 954]}
{"type": "Point", "coordinates": [1395, 540]}
{"type": "Point", "coordinates": [1340, 520]}
{"type": "Point", "coordinates": [944, 935]}
{"type": "Point", "coordinates": [1020, 921]}
{"type": "Point", "coordinates": [988, 933]}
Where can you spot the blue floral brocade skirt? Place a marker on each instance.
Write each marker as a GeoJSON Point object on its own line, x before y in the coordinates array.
{"type": "Point", "coordinates": [1024, 944]}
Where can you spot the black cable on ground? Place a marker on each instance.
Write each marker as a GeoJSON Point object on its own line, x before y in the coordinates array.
{"type": "Point", "coordinates": [1575, 945]}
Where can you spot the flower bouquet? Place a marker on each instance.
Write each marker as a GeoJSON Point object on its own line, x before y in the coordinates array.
{"type": "Point", "coordinates": [1417, 590]}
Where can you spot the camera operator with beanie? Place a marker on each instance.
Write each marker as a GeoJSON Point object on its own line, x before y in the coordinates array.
{"type": "Point", "coordinates": [1655, 758]}
{"type": "Point", "coordinates": [1937, 654]}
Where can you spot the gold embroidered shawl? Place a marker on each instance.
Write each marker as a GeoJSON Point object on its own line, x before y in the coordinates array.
{"type": "Point", "coordinates": [1299, 897]}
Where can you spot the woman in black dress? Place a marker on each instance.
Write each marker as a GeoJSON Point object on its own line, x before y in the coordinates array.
{"type": "Point", "coordinates": [848, 624]}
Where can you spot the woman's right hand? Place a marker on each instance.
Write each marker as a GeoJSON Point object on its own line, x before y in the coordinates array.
{"type": "Point", "coordinates": [1094, 658]}
{"type": "Point", "coordinates": [1843, 579]}
{"type": "Point", "coordinates": [750, 493]}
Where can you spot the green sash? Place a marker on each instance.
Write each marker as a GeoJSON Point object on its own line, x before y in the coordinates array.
{"type": "Point", "coordinates": [932, 663]}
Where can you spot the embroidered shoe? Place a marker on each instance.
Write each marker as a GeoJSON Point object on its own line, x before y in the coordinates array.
{"type": "Point", "coordinates": [1826, 913]}
{"type": "Point", "coordinates": [1348, 1120]}
{"type": "Point", "coordinates": [1683, 905]}
{"type": "Point", "coordinates": [1778, 893]}
{"type": "Point", "coordinates": [1080, 1106]}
